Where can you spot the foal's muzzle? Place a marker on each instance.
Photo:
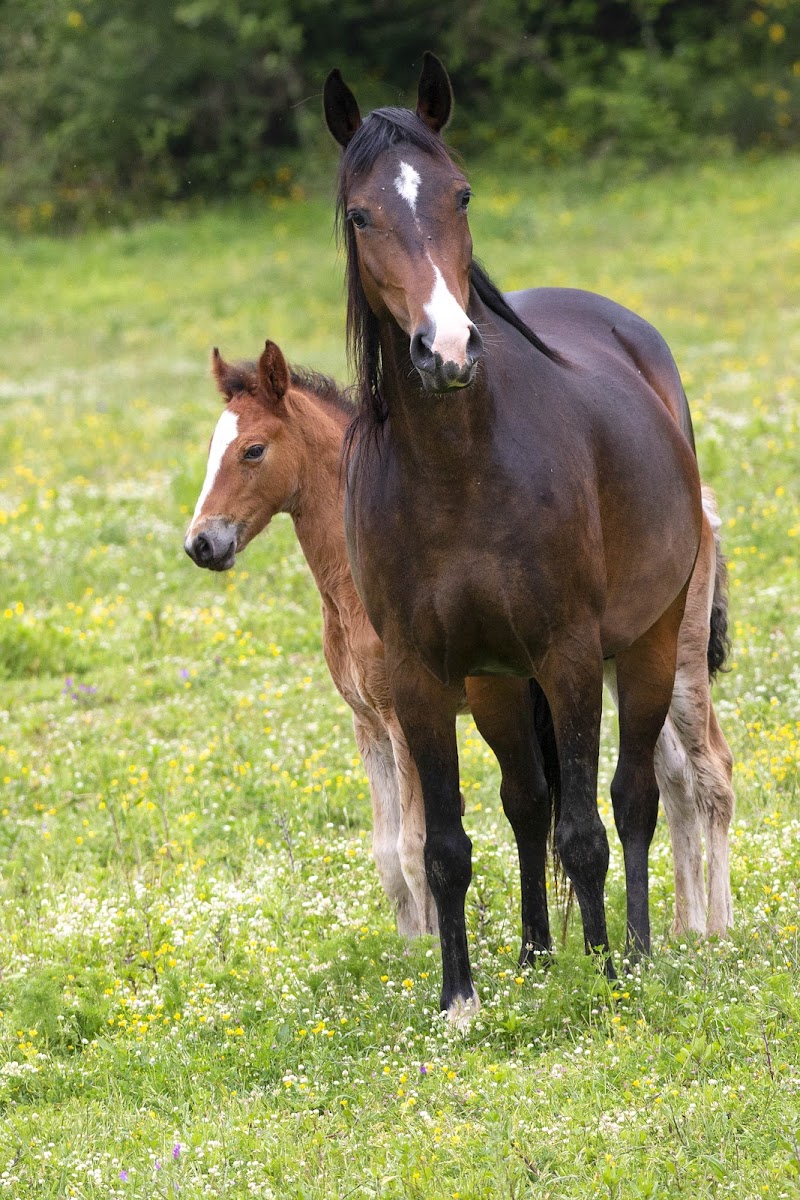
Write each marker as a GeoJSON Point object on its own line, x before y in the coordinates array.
{"type": "Point", "coordinates": [214, 547]}
{"type": "Point", "coordinates": [436, 374]}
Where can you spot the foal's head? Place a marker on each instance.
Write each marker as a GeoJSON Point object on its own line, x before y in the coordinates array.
{"type": "Point", "coordinates": [403, 206]}
{"type": "Point", "coordinates": [253, 460]}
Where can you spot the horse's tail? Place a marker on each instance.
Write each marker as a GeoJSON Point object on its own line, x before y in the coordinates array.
{"type": "Point", "coordinates": [719, 642]}
{"type": "Point", "coordinates": [545, 733]}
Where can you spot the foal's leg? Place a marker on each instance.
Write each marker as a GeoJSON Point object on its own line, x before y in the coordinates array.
{"type": "Point", "coordinates": [427, 711]}
{"type": "Point", "coordinates": [376, 753]}
{"type": "Point", "coordinates": [710, 769]}
{"type": "Point", "coordinates": [411, 833]}
{"type": "Point", "coordinates": [571, 677]}
{"type": "Point", "coordinates": [645, 676]}
{"type": "Point", "coordinates": [677, 790]}
{"type": "Point", "coordinates": [503, 712]}
{"type": "Point", "coordinates": [717, 777]}
{"type": "Point", "coordinates": [710, 766]}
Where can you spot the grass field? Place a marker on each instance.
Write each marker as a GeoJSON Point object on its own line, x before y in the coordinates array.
{"type": "Point", "coordinates": [202, 992]}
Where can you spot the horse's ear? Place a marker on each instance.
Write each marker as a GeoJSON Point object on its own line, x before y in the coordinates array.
{"type": "Point", "coordinates": [341, 108]}
{"type": "Point", "coordinates": [224, 374]}
{"type": "Point", "coordinates": [273, 374]}
{"type": "Point", "coordinates": [434, 94]}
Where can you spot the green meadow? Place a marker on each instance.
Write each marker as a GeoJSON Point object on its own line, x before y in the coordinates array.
{"type": "Point", "coordinates": [202, 993]}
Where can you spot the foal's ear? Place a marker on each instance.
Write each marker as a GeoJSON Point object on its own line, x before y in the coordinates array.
{"type": "Point", "coordinates": [228, 378]}
{"type": "Point", "coordinates": [341, 108]}
{"type": "Point", "coordinates": [434, 94]}
{"type": "Point", "coordinates": [273, 374]}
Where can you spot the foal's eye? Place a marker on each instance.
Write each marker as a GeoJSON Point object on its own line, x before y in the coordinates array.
{"type": "Point", "coordinates": [254, 453]}
{"type": "Point", "coordinates": [463, 201]}
{"type": "Point", "coordinates": [357, 217]}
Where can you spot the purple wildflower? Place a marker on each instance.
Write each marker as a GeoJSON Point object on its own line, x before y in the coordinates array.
{"type": "Point", "coordinates": [176, 1150]}
{"type": "Point", "coordinates": [423, 1070]}
{"type": "Point", "coordinates": [123, 1175]}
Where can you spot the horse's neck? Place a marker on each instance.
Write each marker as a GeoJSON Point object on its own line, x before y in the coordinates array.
{"type": "Point", "coordinates": [436, 432]}
{"type": "Point", "coordinates": [318, 511]}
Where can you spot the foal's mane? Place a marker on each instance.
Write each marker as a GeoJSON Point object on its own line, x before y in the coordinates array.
{"type": "Point", "coordinates": [325, 389]}
{"type": "Point", "coordinates": [381, 129]}
{"type": "Point", "coordinates": [243, 377]}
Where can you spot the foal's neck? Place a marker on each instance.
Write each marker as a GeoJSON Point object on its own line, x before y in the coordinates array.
{"type": "Point", "coordinates": [318, 506]}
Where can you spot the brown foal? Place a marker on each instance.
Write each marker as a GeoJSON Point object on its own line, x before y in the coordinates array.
{"type": "Point", "coordinates": [277, 448]}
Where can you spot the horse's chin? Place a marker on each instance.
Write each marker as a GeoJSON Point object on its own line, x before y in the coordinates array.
{"type": "Point", "coordinates": [439, 384]}
{"type": "Point", "coordinates": [225, 563]}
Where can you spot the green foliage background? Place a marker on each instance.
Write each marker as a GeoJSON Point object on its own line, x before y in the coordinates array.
{"type": "Point", "coordinates": [109, 106]}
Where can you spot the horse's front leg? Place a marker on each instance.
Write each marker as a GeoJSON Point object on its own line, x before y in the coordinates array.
{"type": "Point", "coordinates": [504, 713]}
{"type": "Point", "coordinates": [427, 711]}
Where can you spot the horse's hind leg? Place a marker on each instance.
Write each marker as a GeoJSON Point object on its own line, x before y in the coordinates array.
{"type": "Point", "coordinates": [645, 676]}
{"type": "Point", "coordinates": [571, 677]}
{"type": "Point", "coordinates": [676, 790]}
{"type": "Point", "coordinates": [503, 712]}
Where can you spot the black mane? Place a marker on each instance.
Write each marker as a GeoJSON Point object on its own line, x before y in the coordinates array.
{"type": "Point", "coordinates": [383, 128]}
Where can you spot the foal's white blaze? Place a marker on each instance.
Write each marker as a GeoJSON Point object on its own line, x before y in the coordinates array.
{"type": "Point", "coordinates": [452, 325]}
{"type": "Point", "coordinates": [407, 184]}
{"type": "Point", "coordinates": [224, 434]}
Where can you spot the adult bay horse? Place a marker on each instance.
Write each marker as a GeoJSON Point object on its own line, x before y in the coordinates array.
{"type": "Point", "coordinates": [520, 505]}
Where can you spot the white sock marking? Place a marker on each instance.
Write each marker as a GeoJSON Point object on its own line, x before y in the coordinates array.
{"type": "Point", "coordinates": [452, 324]}
{"type": "Point", "coordinates": [224, 434]}
{"type": "Point", "coordinates": [407, 184]}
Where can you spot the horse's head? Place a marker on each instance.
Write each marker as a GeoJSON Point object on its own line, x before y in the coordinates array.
{"type": "Point", "coordinates": [403, 202]}
{"type": "Point", "coordinates": [252, 467]}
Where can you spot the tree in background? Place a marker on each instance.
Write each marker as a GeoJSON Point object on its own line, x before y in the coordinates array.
{"type": "Point", "coordinates": [111, 107]}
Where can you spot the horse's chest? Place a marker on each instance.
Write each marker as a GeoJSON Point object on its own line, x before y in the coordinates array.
{"type": "Point", "coordinates": [471, 619]}
{"type": "Point", "coordinates": [469, 580]}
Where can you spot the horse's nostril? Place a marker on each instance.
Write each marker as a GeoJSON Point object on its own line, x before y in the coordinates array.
{"type": "Point", "coordinates": [474, 345]}
{"type": "Point", "coordinates": [202, 548]}
{"type": "Point", "coordinates": [420, 348]}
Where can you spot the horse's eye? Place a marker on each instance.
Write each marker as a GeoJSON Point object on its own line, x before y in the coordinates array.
{"type": "Point", "coordinates": [253, 453]}
{"type": "Point", "coordinates": [357, 217]}
{"type": "Point", "coordinates": [463, 200]}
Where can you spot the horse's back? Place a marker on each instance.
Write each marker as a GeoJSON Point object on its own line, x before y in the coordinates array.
{"type": "Point", "coordinates": [588, 328]}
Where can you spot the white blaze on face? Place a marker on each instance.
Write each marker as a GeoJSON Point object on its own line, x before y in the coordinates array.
{"type": "Point", "coordinates": [452, 325]}
{"type": "Point", "coordinates": [407, 184]}
{"type": "Point", "coordinates": [224, 434]}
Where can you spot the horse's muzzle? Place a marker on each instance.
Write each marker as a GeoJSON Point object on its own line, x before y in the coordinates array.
{"type": "Point", "coordinates": [447, 377]}
{"type": "Point", "coordinates": [438, 375]}
{"type": "Point", "coordinates": [214, 547]}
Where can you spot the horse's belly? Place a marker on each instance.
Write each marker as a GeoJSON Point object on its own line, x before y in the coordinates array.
{"type": "Point", "coordinates": [637, 597]}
